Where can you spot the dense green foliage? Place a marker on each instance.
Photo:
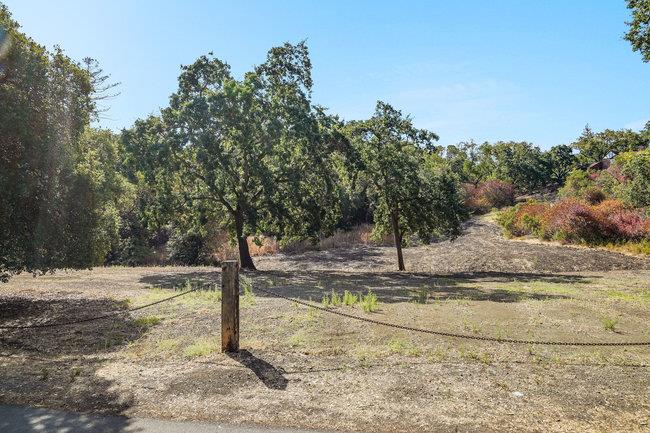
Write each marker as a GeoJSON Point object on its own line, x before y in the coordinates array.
{"type": "Point", "coordinates": [627, 180]}
{"type": "Point", "coordinates": [411, 194]}
{"type": "Point", "coordinates": [638, 33]}
{"type": "Point", "coordinates": [529, 169]}
{"type": "Point", "coordinates": [48, 205]}
{"type": "Point", "coordinates": [252, 151]}
{"type": "Point", "coordinates": [594, 146]}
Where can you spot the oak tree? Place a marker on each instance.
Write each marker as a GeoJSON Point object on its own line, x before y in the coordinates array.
{"type": "Point", "coordinates": [252, 149]}
{"type": "Point", "coordinates": [412, 193]}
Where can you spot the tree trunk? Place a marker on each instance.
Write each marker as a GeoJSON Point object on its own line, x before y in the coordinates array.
{"type": "Point", "coordinates": [398, 240]}
{"type": "Point", "coordinates": [245, 259]}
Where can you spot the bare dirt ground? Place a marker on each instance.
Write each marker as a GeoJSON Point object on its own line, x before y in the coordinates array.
{"type": "Point", "coordinates": [481, 248]}
{"type": "Point", "coordinates": [307, 368]}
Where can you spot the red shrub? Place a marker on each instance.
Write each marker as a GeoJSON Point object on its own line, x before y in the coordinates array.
{"type": "Point", "coordinates": [572, 221]}
{"type": "Point", "coordinates": [619, 221]}
{"type": "Point", "coordinates": [490, 194]}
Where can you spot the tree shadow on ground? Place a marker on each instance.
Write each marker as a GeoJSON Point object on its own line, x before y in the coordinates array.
{"type": "Point", "coordinates": [388, 286]}
{"type": "Point", "coordinates": [372, 256]}
{"type": "Point", "coordinates": [57, 367]}
{"type": "Point", "coordinates": [204, 279]}
{"type": "Point", "coordinates": [403, 286]}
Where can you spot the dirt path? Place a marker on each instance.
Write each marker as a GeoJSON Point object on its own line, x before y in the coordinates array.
{"type": "Point", "coordinates": [481, 248]}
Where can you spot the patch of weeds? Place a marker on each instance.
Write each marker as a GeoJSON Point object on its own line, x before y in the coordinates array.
{"type": "Point", "coordinates": [438, 355]}
{"type": "Point", "coordinates": [155, 294]}
{"type": "Point", "coordinates": [207, 298]}
{"type": "Point", "coordinates": [471, 326]}
{"type": "Point", "coordinates": [297, 340]}
{"type": "Point", "coordinates": [403, 348]}
{"type": "Point", "coordinates": [643, 296]}
{"type": "Point", "coordinates": [335, 299]}
{"type": "Point", "coordinates": [420, 296]}
{"type": "Point", "coordinates": [609, 323]}
{"type": "Point", "coordinates": [248, 298]}
{"type": "Point", "coordinates": [167, 345]}
{"type": "Point", "coordinates": [483, 357]}
{"type": "Point", "coordinates": [369, 302]}
{"type": "Point", "coordinates": [125, 303]}
{"type": "Point", "coordinates": [112, 339]}
{"type": "Point", "coordinates": [326, 301]}
{"type": "Point", "coordinates": [202, 347]}
{"type": "Point", "coordinates": [147, 321]}
{"type": "Point", "coordinates": [312, 315]}
{"type": "Point", "coordinates": [364, 355]}
{"type": "Point", "coordinates": [349, 299]}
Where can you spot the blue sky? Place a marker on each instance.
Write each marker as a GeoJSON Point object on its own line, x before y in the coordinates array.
{"type": "Point", "coordinates": [498, 70]}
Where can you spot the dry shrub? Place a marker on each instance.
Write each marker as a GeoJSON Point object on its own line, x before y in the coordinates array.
{"type": "Point", "coordinates": [226, 250]}
{"type": "Point", "coordinates": [263, 245]}
{"type": "Point", "coordinates": [358, 235]}
{"type": "Point", "coordinates": [489, 195]}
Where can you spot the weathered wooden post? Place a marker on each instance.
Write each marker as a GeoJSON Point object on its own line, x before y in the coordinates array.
{"type": "Point", "coordinates": [230, 306]}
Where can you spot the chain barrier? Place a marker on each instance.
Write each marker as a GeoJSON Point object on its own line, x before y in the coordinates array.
{"type": "Point", "coordinates": [92, 319]}
{"type": "Point", "coordinates": [452, 334]}
{"type": "Point", "coordinates": [349, 316]}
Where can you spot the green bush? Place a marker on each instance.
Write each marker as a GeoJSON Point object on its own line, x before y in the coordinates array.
{"type": "Point", "coordinates": [635, 167]}
{"type": "Point", "coordinates": [507, 218]}
{"type": "Point", "coordinates": [185, 248]}
{"type": "Point", "coordinates": [576, 182]}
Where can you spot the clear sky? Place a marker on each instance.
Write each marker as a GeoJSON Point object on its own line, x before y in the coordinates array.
{"type": "Point", "coordinates": [487, 70]}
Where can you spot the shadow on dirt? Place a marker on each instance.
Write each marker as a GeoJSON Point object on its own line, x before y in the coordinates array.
{"type": "Point", "coordinates": [57, 367]}
{"type": "Point", "coordinates": [207, 279]}
{"type": "Point", "coordinates": [389, 286]}
{"type": "Point", "coordinates": [334, 256]}
{"type": "Point", "coordinates": [271, 377]}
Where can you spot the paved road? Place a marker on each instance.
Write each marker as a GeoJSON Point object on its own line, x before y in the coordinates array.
{"type": "Point", "coordinates": [19, 419]}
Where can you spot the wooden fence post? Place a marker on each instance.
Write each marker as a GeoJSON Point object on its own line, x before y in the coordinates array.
{"type": "Point", "coordinates": [230, 306]}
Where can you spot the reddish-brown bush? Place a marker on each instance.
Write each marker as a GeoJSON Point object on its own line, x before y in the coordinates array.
{"type": "Point", "coordinates": [489, 195]}
{"type": "Point", "coordinates": [571, 221]}
{"type": "Point", "coordinates": [618, 221]}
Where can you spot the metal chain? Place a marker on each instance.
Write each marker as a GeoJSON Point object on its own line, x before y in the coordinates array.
{"type": "Point", "coordinates": [452, 334]}
{"type": "Point", "coordinates": [91, 319]}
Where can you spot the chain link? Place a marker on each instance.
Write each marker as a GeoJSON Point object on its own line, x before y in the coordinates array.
{"type": "Point", "coordinates": [92, 319]}
{"type": "Point", "coordinates": [452, 334]}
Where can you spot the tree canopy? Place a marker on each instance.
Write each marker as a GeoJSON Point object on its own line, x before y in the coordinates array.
{"type": "Point", "coordinates": [411, 196]}
{"type": "Point", "coordinates": [46, 206]}
{"type": "Point", "coordinates": [252, 150]}
{"type": "Point", "coordinates": [638, 34]}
